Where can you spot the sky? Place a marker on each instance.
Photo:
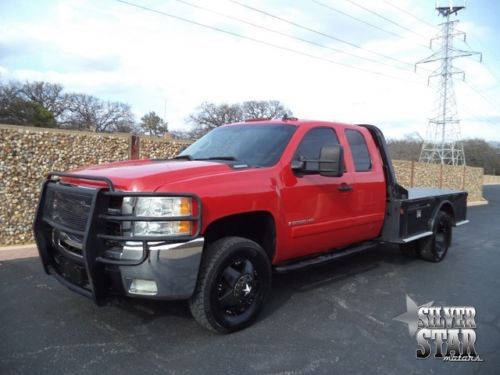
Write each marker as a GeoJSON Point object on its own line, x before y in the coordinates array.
{"type": "Point", "coordinates": [156, 62]}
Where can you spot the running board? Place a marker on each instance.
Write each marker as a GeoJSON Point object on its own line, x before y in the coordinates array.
{"type": "Point", "coordinates": [417, 237]}
{"type": "Point", "coordinates": [325, 258]}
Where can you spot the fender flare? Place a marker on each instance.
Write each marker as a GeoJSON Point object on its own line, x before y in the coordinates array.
{"type": "Point", "coordinates": [449, 209]}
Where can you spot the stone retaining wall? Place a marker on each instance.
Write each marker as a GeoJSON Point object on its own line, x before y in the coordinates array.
{"type": "Point", "coordinates": [491, 180]}
{"type": "Point", "coordinates": [160, 148]}
{"type": "Point", "coordinates": [414, 174]}
{"type": "Point", "coordinates": [28, 154]}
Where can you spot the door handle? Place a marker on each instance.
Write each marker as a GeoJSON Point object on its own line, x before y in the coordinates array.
{"type": "Point", "coordinates": [344, 187]}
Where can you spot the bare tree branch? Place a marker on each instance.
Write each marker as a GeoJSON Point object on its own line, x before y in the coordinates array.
{"type": "Point", "coordinates": [208, 115]}
{"type": "Point", "coordinates": [90, 113]}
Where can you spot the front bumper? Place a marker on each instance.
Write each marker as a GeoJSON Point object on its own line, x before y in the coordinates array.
{"type": "Point", "coordinates": [174, 268]}
{"type": "Point", "coordinates": [75, 249]}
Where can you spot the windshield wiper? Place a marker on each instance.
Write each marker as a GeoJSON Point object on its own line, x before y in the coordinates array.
{"type": "Point", "coordinates": [187, 157]}
{"type": "Point", "coordinates": [231, 158]}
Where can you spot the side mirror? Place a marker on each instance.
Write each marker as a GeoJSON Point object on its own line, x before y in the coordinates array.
{"type": "Point", "coordinates": [329, 164]}
{"type": "Point", "coordinates": [331, 160]}
{"type": "Point", "coordinates": [298, 165]}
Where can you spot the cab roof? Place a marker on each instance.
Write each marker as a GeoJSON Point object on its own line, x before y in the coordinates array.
{"type": "Point", "coordinates": [293, 121]}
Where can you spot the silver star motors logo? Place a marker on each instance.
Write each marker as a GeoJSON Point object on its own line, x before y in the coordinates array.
{"type": "Point", "coordinates": [410, 316]}
{"type": "Point", "coordinates": [247, 289]}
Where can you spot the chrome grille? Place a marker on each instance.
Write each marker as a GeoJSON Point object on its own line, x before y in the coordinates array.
{"type": "Point", "coordinates": [71, 209]}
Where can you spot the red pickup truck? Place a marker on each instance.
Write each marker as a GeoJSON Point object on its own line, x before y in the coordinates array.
{"type": "Point", "coordinates": [247, 199]}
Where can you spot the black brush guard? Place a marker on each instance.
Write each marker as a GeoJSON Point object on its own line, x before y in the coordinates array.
{"type": "Point", "coordinates": [92, 260]}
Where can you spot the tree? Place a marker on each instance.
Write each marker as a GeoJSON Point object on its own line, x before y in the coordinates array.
{"type": "Point", "coordinates": [153, 124]}
{"type": "Point", "coordinates": [17, 109]}
{"type": "Point", "coordinates": [208, 115]}
{"type": "Point", "coordinates": [86, 112]}
{"type": "Point", "coordinates": [8, 93]}
{"type": "Point", "coordinates": [126, 127]}
{"type": "Point", "coordinates": [264, 109]}
{"type": "Point", "coordinates": [34, 114]}
{"type": "Point", "coordinates": [183, 135]}
{"type": "Point", "coordinates": [48, 95]}
{"type": "Point", "coordinates": [405, 149]}
{"type": "Point", "coordinates": [45, 104]}
{"type": "Point", "coordinates": [478, 153]}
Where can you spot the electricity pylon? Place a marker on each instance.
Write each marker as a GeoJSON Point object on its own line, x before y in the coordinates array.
{"type": "Point", "coordinates": [442, 142]}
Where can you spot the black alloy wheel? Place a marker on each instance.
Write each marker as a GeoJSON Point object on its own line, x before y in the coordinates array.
{"type": "Point", "coordinates": [237, 288]}
{"type": "Point", "coordinates": [435, 247]}
{"type": "Point", "coordinates": [234, 281]}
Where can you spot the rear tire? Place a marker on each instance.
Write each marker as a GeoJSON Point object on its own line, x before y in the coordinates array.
{"type": "Point", "coordinates": [233, 283]}
{"type": "Point", "coordinates": [435, 247]}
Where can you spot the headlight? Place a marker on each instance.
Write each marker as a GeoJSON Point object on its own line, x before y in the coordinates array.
{"type": "Point", "coordinates": [162, 228]}
{"type": "Point", "coordinates": [159, 207]}
{"type": "Point", "coordinates": [162, 206]}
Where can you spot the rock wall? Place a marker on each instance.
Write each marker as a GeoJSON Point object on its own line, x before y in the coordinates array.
{"type": "Point", "coordinates": [404, 173]}
{"type": "Point", "coordinates": [414, 174]}
{"type": "Point", "coordinates": [27, 155]}
{"type": "Point", "coordinates": [473, 183]}
{"type": "Point", "coordinates": [491, 180]}
{"type": "Point", "coordinates": [160, 148]}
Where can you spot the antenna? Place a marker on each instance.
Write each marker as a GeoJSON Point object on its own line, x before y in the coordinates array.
{"type": "Point", "coordinates": [165, 110]}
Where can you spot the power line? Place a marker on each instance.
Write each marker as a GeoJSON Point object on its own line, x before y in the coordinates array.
{"type": "Point", "coordinates": [355, 18]}
{"type": "Point", "coordinates": [493, 105]}
{"type": "Point", "coordinates": [259, 41]}
{"type": "Point", "coordinates": [316, 44]}
{"type": "Point", "coordinates": [494, 52]}
{"type": "Point", "coordinates": [470, 114]}
{"type": "Point", "coordinates": [409, 13]}
{"type": "Point", "coordinates": [487, 68]}
{"type": "Point", "coordinates": [318, 32]}
{"type": "Point", "coordinates": [385, 18]}
{"type": "Point", "coordinates": [484, 64]}
{"type": "Point", "coordinates": [333, 9]}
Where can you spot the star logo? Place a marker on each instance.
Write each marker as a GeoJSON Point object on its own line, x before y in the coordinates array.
{"type": "Point", "coordinates": [410, 316]}
{"type": "Point", "coordinates": [247, 289]}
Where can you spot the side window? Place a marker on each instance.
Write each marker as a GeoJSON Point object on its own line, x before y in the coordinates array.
{"type": "Point", "coordinates": [313, 141]}
{"type": "Point", "coordinates": [359, 150]}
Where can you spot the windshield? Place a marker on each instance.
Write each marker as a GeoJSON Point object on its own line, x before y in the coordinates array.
{"type": "Point", "coordinates": [254, 145]}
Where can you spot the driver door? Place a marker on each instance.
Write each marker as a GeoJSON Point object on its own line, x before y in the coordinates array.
{"type": "Point", "coordinates": [318, 209]}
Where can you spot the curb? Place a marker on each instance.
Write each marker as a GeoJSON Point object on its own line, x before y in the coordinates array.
{"type": "Point", "coordinates": [18, 252]}
{"type": "Point", "coordinates": [477, 203]}
{"type": "Point", "coordinates": [18, 247]}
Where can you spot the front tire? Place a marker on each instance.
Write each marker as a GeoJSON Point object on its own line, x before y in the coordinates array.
{"type": "Point", "coordinates": [233, 283]}
{"type": "Point", "coordinates": [434, 248]}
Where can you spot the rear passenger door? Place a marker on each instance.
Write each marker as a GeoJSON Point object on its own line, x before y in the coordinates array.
{"type": "Point", "coordinates": [369, 193]}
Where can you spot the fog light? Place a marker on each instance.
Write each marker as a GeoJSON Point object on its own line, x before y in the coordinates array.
{"type": "Point", "coordinates": [145, 287]}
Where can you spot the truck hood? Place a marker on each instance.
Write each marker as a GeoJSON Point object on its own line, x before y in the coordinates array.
{"type": "Point", "coordinates": [149, 175]}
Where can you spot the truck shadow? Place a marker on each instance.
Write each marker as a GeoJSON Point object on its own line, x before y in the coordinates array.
{"type": "Point", "coordinates": [285, 285]}
{"type": "Point", "coordinates": [338, 271]}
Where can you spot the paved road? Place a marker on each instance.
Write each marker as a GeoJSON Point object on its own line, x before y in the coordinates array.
{"type": "Point", "coordinates": [336, 318]}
